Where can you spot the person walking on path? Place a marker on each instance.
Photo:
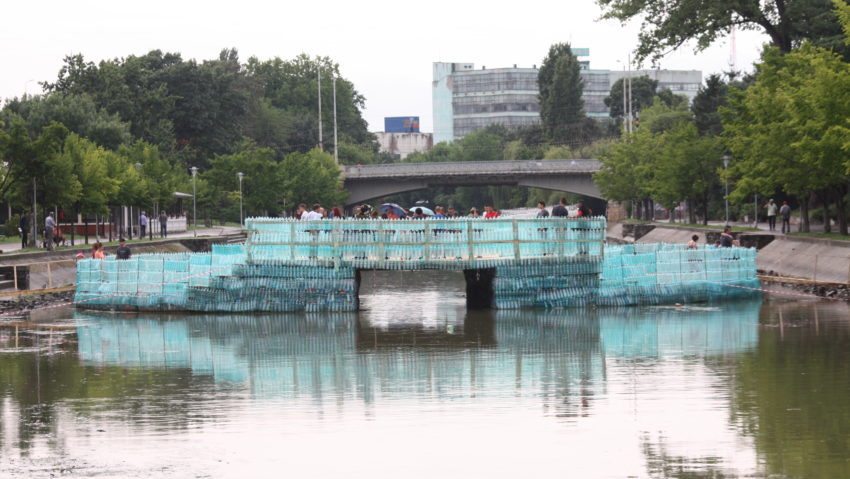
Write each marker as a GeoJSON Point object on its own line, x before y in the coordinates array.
{"type": "Point", "coordinates": [771, 214]}
{"type": "Point", "coordinates": [49, 226]}
{"type": "Point", "coordinates": [163, 224]}
{"type": "Point", "coordinates": [24, 228]}
{"type": "Point", "coordinates": [542, 212]}
{"type": "Point", "coordinates": [143, 224]}
{"type": "Point", "coordinates": [785, 211]}
{"type": "Point", "coordinates": [123, 251]}
{"type": "Point", "coordinates": [560, 209]}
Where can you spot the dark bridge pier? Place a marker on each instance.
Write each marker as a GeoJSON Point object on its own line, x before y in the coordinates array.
{"type": "Point", "coordinates": [479, 288]}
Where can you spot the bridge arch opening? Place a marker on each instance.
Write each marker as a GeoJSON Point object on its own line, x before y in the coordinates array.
{"type": "Point", "coordinates": [426, 293]}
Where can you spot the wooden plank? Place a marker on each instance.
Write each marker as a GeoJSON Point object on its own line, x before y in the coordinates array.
{"type": "Point", "coordinates": [38, 291]}
{"type": "Point", "coordinates": [788, 279]}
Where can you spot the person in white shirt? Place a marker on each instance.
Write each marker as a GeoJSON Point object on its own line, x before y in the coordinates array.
{"type": "Point", "coordinates": [316, 214]}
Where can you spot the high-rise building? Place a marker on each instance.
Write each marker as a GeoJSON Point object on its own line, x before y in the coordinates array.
{"type": "Point", "coordinates": [466, 99]}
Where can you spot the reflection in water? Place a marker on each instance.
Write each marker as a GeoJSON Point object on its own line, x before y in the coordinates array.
{"type": "Point", "coordinates": [715, 391]}
{"type": "Point", "coordinates": [345, 356]}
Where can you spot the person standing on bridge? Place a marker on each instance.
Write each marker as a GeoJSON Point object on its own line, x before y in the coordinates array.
{"type": "Point", "coordinates": [583, 211]}
{"type": "Point", "coordinates": [542, 211]}
{"type": "Point", "coordinates": [561, 209]}
{"type": "Point", "coordinates": [490, 213]}
{"type": "Point", "coordinates": [439, 213]}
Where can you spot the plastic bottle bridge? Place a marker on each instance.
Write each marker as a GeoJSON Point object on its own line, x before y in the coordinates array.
{"type": "Point", "coordinates": [288, 265]}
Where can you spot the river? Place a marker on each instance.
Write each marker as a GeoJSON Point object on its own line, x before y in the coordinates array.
{"type": "Point", "coordinates": [415, 386]}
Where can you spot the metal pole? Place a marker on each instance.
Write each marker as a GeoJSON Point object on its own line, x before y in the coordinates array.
{"type": "Point", "coordinates": [194, 203]}
{"type": "Point", "coordinates": [756, 210]}
{"type": "Point", "coordinates": [625, 121]}
{"type": "Point", "coordinates": [241, 220]}
{"type": "Point", "coordinates": [631, 107]}
{"type": "Point", "coordinates": [726, 185]}
{"type": "Point", "coordinates": [336, 150]}
{"type": "Point", "coordinates": [34, 226]}
{"type": "Point", "coordinates": [319, 76]}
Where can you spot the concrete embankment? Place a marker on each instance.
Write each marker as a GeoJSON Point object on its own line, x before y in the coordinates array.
{"type": "Point", "coordinates": [821, 260]}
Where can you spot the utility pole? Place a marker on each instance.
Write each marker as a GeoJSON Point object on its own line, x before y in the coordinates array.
{"type": "Point", "coordinates": [319, 77]}
{"type": "Point", "coordinates": [336, 150]}
{"type": "Point", "coordinates": [33, 226]}
{"type": "Point", "coordinates": [625, 119]}
{"type": "Point", "coordinates": [631, 106]}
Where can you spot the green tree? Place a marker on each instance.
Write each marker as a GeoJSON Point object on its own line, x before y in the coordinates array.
{"type": "Point", "coordinates": [789, 129]}
{"type": "Point", "coordinates": [669, 24]}
{"type": "Point", "coordinates": [561, 105]}
{"type": "Point", "coordinates": [311, 177]}
{"type": "Point", "coordinates": [78, 113]}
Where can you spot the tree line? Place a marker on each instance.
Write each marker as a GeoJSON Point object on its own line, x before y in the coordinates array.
{"type": "Point", "coordinates": [783, 128]}
{"type": "Point", "coordinates": [127, 131]}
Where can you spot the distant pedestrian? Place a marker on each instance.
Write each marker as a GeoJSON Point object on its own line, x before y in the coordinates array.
{"type": "Point", "coordinates": [452, 213]}
{"type": "Point", "coordinates": [726, 239]}
{"type": "Point", "coordinates": [542, 212]}
{"type": "Point", "coordinates": [302, 212]}
{"type": "Point", "coordinates": [49, 227]}
{"type": "Point", "coordinates": [439, 213]}
{"type": "Point", "coordinates": [694, 242]}
{"type": "Point", "coordinates": [490, 213]}
{"type": "Point", "coordinates": [785, 211]}
{"type": "Point", "coordinates": [336, 213]}
{"type": "Point", "coordinates": [771, 214]}
{"type": "Point", "coordinates": [123, 251]}
{"type": "Point", "coordinates": [315, 214]}
{"type": "Point", "coordinates": [143, 224]}
{"type": "Point", "coordinates": [418, 214]}
{"type": "Point", "coordinates": [24, 228]}
{"type": "Point", "coordinates": [583, 211]}
{"type": "Point", "coordinates": [163, 224]}
{"type": "Point", "coordinates": [97, 251]}
{"type": "Point", "coordinates": [473, 212]}
{"type": "Point", "coordinates": [560, 210]}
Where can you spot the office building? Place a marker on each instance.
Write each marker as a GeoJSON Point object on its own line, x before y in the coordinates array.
{"type": "Point", "coordinates": [466, 99]}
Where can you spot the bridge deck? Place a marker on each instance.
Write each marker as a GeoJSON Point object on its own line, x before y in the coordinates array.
{"type": "Point", "coordinates": [464, 168]}
{"type": "Point", "coordinates": [424, 244]}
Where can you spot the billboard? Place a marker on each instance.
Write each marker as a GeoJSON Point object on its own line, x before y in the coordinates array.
{"type": "Point", "coordinates": [401, 124]}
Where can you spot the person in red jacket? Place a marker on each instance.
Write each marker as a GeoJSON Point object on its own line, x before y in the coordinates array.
{"type": "Point", "coordinates": [490, 213]}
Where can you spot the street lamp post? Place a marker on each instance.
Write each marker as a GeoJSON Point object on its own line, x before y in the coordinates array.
{"type": "Point", "coordinates": [240, 175]}
{"type": "Point", "coordinates": [194, 170]}
{"type": "Point", "coordinates": [726, 185]}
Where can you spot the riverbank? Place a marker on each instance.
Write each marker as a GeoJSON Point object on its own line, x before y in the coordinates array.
{"type": "Point", "coordinates": [823, 262]}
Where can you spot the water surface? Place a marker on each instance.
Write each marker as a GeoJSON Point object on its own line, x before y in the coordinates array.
{"type": "Point", "coordinates": [416, 386]}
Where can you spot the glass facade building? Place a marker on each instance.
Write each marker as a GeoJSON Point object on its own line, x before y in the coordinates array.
{"type": "Point", "coordinates": [465, 100]}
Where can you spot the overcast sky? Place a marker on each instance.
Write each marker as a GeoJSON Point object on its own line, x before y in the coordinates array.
{"type": "Point", "coordinates": [385, 47]}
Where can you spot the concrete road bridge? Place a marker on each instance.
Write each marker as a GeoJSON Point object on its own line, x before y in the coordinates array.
{"type": "Point", "coordinates": [367, 182]}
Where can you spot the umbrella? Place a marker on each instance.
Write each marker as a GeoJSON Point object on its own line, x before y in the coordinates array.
{"type": "Point", "coordinates": [386, 207]}
{"type": "Point", "coordinates": [425, 211]}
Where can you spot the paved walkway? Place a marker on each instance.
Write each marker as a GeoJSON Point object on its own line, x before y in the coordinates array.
{"type": "Point", "coordinates": [80, 240]}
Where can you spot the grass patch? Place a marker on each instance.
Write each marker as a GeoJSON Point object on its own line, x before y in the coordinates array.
{"type": "Point", "coordinates": [832, 236]}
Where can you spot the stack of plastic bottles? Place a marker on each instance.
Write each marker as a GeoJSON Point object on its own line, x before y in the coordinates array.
{"type": "Point", "coordinates": [661, 273]}
{"type": "Point", "coordinates": [288, 265]}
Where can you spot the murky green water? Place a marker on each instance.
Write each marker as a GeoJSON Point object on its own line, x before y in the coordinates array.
{"type": "Point", "coordinates": [414, 386]}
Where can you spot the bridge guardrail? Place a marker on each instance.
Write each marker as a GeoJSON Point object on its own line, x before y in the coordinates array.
{"type": "Point", "coordinates": [452, 243]}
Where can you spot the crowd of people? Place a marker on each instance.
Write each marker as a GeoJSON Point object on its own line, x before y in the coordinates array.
{"type": "Point", "coordinates": [390, 211]}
